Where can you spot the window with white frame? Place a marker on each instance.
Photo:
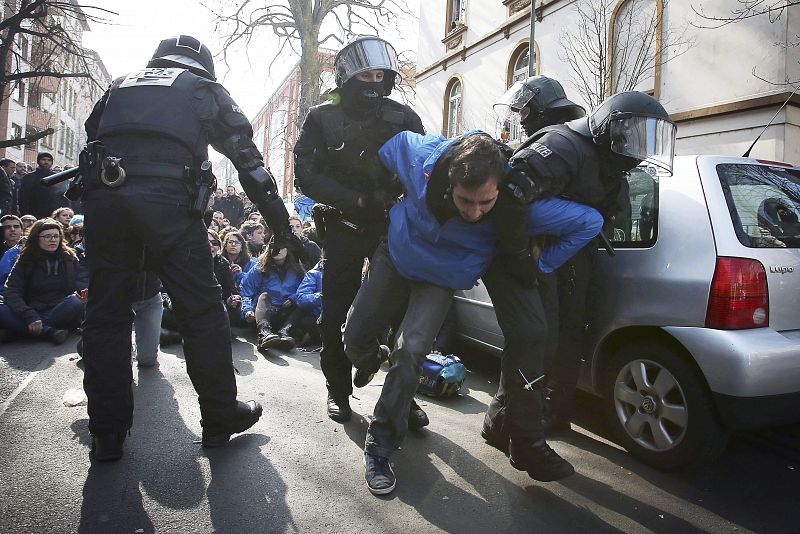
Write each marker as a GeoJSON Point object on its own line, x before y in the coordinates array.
{"type": "Point", "coordinates": [456, 14]}
{"type": "Point", "coordinates": [453, 109]}
{"type": "Point", "coordinates": [519, 72]}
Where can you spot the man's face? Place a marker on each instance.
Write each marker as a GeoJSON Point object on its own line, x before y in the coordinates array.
{"type": "Point", "coordinates": [231, 191]}
{"type": "Point", "coordinates": [218, 215]}
{"type": "Point", "coordinates": [22, 168]}
{"type": "Point", "coordinates": [370, 76]}
{"type": "Point", "coordinates": [473, 203]}
{"type": "Point", "coordinates": [257, 237]}
{"type": "Point", "coordinates": [45, 162]}
{"type": "Point", "coordinates": [218, 193]}
{"type": "Point", "coordinates": [225, 223]}
{"type": "Point", "coordinates": [27, 222]}
{"type": "Point", "coordinates": [10, 168]}
{"type": "Point", "coordinates": [255, 217]}
{"type": "Point", "coordinates": [12, 232]}
{"type": "Point", "coordinates": [297, 227]}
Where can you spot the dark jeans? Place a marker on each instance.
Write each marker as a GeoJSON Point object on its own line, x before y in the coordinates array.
{"type": "Point", "coordinates": [145, 225]}
{"type": "Point", "coordinates": [66, 314]}
{"type": "Point", "coordinates": [299, 321]}
{"type": "Point", "coordinates": [345, 252]}
{"type": "Point", "coordinates": [516, 409]}
{"type": "Point", "coordinates": [383, 295]}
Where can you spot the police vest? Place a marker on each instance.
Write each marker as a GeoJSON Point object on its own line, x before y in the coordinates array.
{"type": "Point", "coordinates": [154, 104]}
{"type": "Point", "coordinates": [594, 185]}
{"type": "Point", "coordinates": [353, 145]}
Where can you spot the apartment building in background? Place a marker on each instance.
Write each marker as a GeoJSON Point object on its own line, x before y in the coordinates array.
{"type": "Point", "coordinates": [64, 104]}
{"type": "Point", "coordinates": [471, 51]}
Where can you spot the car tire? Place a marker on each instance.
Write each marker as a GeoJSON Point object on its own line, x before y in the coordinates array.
{"type": "Point", "coordinates": [659, 409]}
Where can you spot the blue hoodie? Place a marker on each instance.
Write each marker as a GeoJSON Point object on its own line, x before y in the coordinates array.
{"type": "Point", "coordinates": [456, 254]}
{"type": "Point", "coordinates": [309, 292]}
{"type": "Point", "coordinates": [254, 283]}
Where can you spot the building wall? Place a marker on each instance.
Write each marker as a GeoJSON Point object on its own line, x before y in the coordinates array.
{"type": "Point", "coordinates": [720, 106]}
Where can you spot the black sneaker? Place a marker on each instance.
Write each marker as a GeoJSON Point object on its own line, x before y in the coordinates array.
{"type": "Point", "coordinates": [268, 340]}
{"type": "Point", "coordinates": [362, 377]}
{"type": "Point", "coordinates": [339, 410]}
{"type": "Point", "coordinates": [107, 447]}
{"type": "Point", "coordinates": [540, 461]}
{"type": "Point", "coordinates": [378, 474]}
{"type": "Point", "coordinates": [57, 335]}
{"type": "Point", "coordinates": [287, 342]}
{"type": "Point", "coordinates": [246, 415]}
{"type": "Point", "coordinates": [417, 418]}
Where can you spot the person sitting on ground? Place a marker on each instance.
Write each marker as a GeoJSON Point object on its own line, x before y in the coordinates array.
{"type": "Point", "coordinates": [313, 252]}
{"type": "Point", "coordinates": [255, 236]}
{"type": "Point", "coordinates": [214, 225]}
{"type": "Point", "coordinates": [224, 274]}
{"type": "Point", "coordinates": [27, 223]}
{"type": "Point", "coordinates": [238, 255]}
{"type": "Point", "coordinates": [269, 297]}
{"type": "Point", "coordinates": [309, 299]}
{"type": "Point", "coordinates": [63, 215]}
{"type": "Point", "coordinates": [12, 232]}
{"type": "Point", "coordinates": [47, 289]}
{"type": "Point", "coordinates": [74, 232]}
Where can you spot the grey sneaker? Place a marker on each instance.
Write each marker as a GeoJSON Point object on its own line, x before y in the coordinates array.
{"type": "Point", "coordinates": [378, 474]}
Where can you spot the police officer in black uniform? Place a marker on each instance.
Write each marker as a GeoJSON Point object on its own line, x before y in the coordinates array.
{"type": "Point", "coordinates": [586, 160]}
{"type": "Point", "coordinates": [336, 164]}
{"type": "Point", "coordinates": [145, 193]}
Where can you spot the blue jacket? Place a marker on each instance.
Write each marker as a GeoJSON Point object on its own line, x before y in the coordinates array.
{"type": "Point", "coordinates": [249, 267]}
{"type": "Point", "coordinates": [457, 254]}
{"type": "Point", "coordinates": [6, 264]}
{"type": "Point", "coordinates": [309, 292]}
{"type": "Point", "coordinates": [255, 283]}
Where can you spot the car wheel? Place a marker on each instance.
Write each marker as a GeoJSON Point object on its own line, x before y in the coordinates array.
{"type": "Point", "coordinates": [659, 409]}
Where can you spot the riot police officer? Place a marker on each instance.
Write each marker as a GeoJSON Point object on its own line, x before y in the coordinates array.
{"type": "Point", "coordinates": [145, 193]}
{"type": "Point", "coordinates": [586, 160]}
{"type": "Point", "coordinates": [336, 164]}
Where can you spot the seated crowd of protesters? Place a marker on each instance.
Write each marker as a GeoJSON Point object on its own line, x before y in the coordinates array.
{"type": "Point", "coordinates": [44, 277]}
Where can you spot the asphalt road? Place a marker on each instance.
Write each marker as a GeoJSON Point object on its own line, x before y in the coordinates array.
{"type": "Point", "coordinates": [298, 471]}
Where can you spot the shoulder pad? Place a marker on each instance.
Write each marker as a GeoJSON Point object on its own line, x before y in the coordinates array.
{"type": "Point", "coordinates": [394, 116]}
{"type": "Point", "coordinates": [164, 77]}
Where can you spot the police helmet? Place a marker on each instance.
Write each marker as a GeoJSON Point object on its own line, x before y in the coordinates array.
{"type": "Point", "coordinates": [634, 125]}
{"type": "Point", "coordinates": [187, 52]}
{"type": "Point", "coordinates": [363, 53]}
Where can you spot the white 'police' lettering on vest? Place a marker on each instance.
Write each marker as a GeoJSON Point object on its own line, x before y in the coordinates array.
{"type": "Point", "coordinates": [541, 149]}
{"type": "Point", "coordinates": [154, 76]}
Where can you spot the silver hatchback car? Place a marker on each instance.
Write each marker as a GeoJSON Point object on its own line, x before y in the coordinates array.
{"type": "Point", "coordinates": [694, 327]}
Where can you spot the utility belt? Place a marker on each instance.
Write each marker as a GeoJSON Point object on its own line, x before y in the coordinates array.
{"type": "Point", "coordinates": [326, 216]}
{"type": "Point", "coordinates": [102, 170]}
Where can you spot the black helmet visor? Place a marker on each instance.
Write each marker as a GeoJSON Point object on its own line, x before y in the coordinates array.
{"type": "Point", "coordinates": [364, 55]}
{"type": "Point", "coordinates": [647, 139]}
{"type": "Point", "coordinates": [516, 97]}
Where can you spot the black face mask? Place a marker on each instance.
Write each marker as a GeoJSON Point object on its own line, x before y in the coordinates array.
{"type": "Point", "coordinates": [362, 95]}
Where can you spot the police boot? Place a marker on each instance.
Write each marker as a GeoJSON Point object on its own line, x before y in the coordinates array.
{"type": "Point", "coordinates": [528, 450]}
{"type": "Point", "coordinates": [266, 339]}
{"type": "Point", "coordinates": [362, 377]}
{"type": "Point", "coordinates": [108, 447]}
{"type": "Point", "coordinates": [339, 408]}
{"type": "Point", "coordinates": [217, 433]}
{"type": "Point", "coordinates": [494, 430]}
{"type": "Point", "coordinates": [287, 341]}
{"type": "Point", "coordinates": [417, 418]}
{"type": "Point", "coordinates": [557, 410]}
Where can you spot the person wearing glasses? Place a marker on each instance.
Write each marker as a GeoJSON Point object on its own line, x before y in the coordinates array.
{"type": "Point", "coordinates": [46, 291]}
{"type": "Point", "coordinates": [234, 250]}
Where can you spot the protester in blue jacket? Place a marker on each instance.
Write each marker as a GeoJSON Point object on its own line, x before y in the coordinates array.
{"type": "Point", "coordinates": [309, 299]}
{"type": "Point", "coordinates": [269, 297]}
{"type": "Point", "coordinates": [7, 263]}
{"type": "Point", "coordinates": [440, 239]}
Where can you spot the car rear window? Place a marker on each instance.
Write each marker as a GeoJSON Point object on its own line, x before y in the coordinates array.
{"type": "Point", "coordinates": [763, 202]}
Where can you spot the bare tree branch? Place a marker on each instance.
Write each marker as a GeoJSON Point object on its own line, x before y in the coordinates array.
{"type": "Point", "coordinates": [27, 139]}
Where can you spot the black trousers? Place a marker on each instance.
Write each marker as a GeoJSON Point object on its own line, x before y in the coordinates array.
{"type": "Point", "coordinates": [145, 225]}
{"type": "Point", "coordinates": [516, 409]}
{"type": "Point", "coordinates": [569, 310]}
{"type": "Point", "coordinates": [345, 251]}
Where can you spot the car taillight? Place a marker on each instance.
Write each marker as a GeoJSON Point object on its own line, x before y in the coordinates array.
{"type": "Point", "coordinates": [738, 297]}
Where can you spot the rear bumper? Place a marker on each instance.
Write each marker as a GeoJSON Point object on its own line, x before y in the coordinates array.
{"type": "Point", "coordinates": [760, 362]}
{"type": "Point", "coordinates": [740, 413]}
